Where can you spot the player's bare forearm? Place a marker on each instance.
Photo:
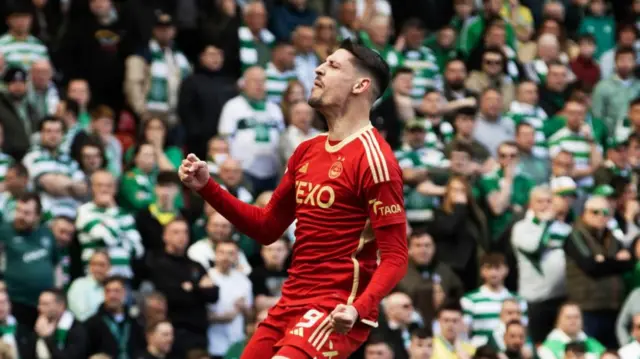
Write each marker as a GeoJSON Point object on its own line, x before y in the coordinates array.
{"type": "Point", "coordinates": [264, 225]}
{"type": "Point", "coordinates": [394, 258]}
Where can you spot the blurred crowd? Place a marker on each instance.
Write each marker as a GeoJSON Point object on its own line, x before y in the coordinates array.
{"type": "Point", "coordinates": [516, 124]}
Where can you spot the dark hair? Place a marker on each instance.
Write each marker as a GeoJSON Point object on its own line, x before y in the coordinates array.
{"type": "Point", "coordinates": [49, 119]}
{"type": "Point", "coordinates": [575, 347]}
{"type": "Point", "coordinates": [21, 170]}
{"type": "Point", "coordinates": [522, 124]}
{"type": "Point", "coordinates": [586, 37]}
{"type": "Point", "coordinates": [418, 232]}
{"type": "Point", "coordinates": [136, 151]}
{"type": "Point", "coordinates": [625, 51]}
{"type": "Point", "coordinates": [556, 63]}
{"type": "Point", "coordinates": [635, 137]}
{"type": "Point", "coordinates": [494, 50]}
{"type": "Point", "coordinates": [625, 27]}
{"type": "Point", "coordinates": [92, 141]}
{"type": "Point", "coordinates": [376, 339]}
{"type": "Point", "coordinates": [371, 62]}
{"type": "Point", "coordinates": [145, 125]}
{"type": "Point", "coordinates": [412, 22]}
{"type": "Point", "coordinates": [485, 352]}
{"type": "Point", "coordinates": [470, 111]}
{"type": "Point", "coordinates": [455, 59]}
{"type": "Point", "coordinates": [462, 147]}
{"type": "Point", "coordinates": [490, 89]}
{"type": "Point", "coordinates": [72, 106]}
{"type": "Point", "coordinates": [493, 260]}
{"type": "Point", "coordinates": [451, 305]}
{"type": "Point", "coordinates": [65, 218]}
{"type": "Point", "coordinates": [430, 90]}
{"type": "Point", "coordinates": [58, 294]}
{"type": "Point", "coordinates": [514, 322]}
{"type": "Point", "coordinates": [402, 70]}
{"type": "Point", "coordinates": [31, 196]}
{"type": "Point", "coordinates": [116, 278]}
{"type": "Point", "coordinates": [167, 178]}
{"type": "Point", "coordinates": [423, 333]}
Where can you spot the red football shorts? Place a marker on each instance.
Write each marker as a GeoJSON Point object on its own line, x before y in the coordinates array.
{"type": "Point", "coordinates": [303, 333]}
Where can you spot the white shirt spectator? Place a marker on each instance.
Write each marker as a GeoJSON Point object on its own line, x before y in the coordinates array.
{"type": "Point", "coordinates": [85, 297]}
{"type": "Point", "coordinates": [233, 287]}
{"type": "Point", "coordinates": [203, 253]}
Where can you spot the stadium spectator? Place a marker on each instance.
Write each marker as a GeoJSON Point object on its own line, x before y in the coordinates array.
{"type": "Point", "coordinates": [395, 109]}
{"type": "Point", "coordinates": [202, 97]}
{"type": "Point", "coordinates": [112, 330]}
{"type": "Point", "coordinates": [292, 94]}
{"type": "Point", "coordinates": [267, 279]}
{"type": "Point", "coordinates": [626, 38]}
{"type": "Point", "coordinates": [568, 330]}
{"type": "Point", "coordinates": [430, 108]}
{"type": "Point", "coordinates": [375, 34]}
{"type": "Point", "coordinates": [575, 350]}
{"type": "Point", "coordinates": [136, 188]}
{"type": "Point", "coordinates": [280, 71]}
{"type": "Point", "coordinates": [255, 39]}
{"type": "Point", "coordinates": [288, 16]}
{"type": "Point", "coordinates": [57, 334]}
{"type": "Point", "coordinates": [532, 166]}
{"type": "Point", "coordinates": [86, 294]}
{"type": "Point", "coordinates": [103, 224]}
{"type": "Point", "coordinates": [299, 129]}
{"type": "Point", "coordinates": [478, 315]}
{"type": "Point", "coordinates": [92, 158]}
{"type": "Point", "coordinates": [525, 109]}
{"type": "Point", "coordinates": [20, 48]}
{"type": "Point", "coordinates": [594, 255]}
{"type": "Point", "coordinates": [160, 338]}
{"type": "Point", "coordinates": [421, 344]}
{"type": "Point", "coordinates": [306, 60]}
{"type": "Point", "coordinates": [227, 315]}
{"type": "Point", "coordinates": [454, 89]}
{"type": "Point", "coordinates": [554, 89]}
{"type": "Point", "coordinates": [625, 317]}
{"type": "Point", "coordinates": [254, 126]}
{"type": "Point", "coordinates": [378, 348]}
{"type": "Point", "coordinates": [492, 75]}
{"type": "Point", "coordinates": [503, 339]}
{"type": "Point", "coordinates": [68, 110]}
{"type": "Point", "coordinates": [398, 321]}
{"type": "Point", "coordinates": [232, 181]}
{"type": "Point", "coordinates": [153, 309]}
{"type": "Point", "coordinates": [632, 349]}
{"type": "Point", "coordinates": [538, 241]}
{"type": "Point", "coordinates": [78, 90]}
{"type": "Point", "coordinates": [187, 286]}
{"type": "Point", "coordinates": [18, 117]}
{"type": "Point", "coordinates": [42, 93]}
{"type": "Point", "coordinates": [450, 342]}
{"type": "Point", "coordinates": [153, 75]}
{"type": "Point", "coordinates": [616, 166]}
{"type": "Point", "coordinates": [584, 66]}
{"type": "Point", "coordinates": [492, 128]}
{"type": "Point", "coordinates": [425, 272]}
{"type": "Point", "coordinates": [217, 153]}
{"type": "Point", "coordinates": [219, 229]}
{"type": "Point", "coordinates": [471, 34]}
{"type": "Point", "coordinates": [464, 123]}
{"type": "Point", "coordinates": [15, 185]}
{"type": "Point", "coordinates": [101, 130]}
{"type": "Point", "coordinates": [326, 41]}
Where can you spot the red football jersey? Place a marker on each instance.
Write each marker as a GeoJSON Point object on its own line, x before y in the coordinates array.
{"type": "Point", "coordinates": [338, 188]}
{"type": "Point", "coordinates": [334, 191]}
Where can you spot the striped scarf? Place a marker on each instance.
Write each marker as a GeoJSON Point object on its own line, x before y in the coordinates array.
{"type": "Point", "coordinates": [249, 55]}
{"type": "Point", "coordinates": [168, 68]}
{"type": "Point", "coordinates": [62, 329]}
{"type": "Point", "coordinates": [45, 102]}
{"type": "Point", "coordinates": [8, 331]}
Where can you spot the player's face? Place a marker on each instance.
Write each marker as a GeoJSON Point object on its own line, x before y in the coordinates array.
{"type": "Point", "coordinates": [335, 80]}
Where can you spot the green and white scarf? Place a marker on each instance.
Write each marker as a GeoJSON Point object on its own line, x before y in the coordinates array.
{"type": "Point", "coordinates": [62, 329]}
{"type": "Point", "coordinates": [554, 235]}
{"type": "Point", "coordinates": [44, 103]}
{"type": "Point", "coordinates": [249, 54]}
{"type": "Point", "coordinates": [8, 331]}
{"type": "Point", "coordinates": [161, 98]}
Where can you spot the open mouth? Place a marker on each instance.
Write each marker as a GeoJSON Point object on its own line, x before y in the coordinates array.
{"type": "Point", "coordinates": [317, 83]}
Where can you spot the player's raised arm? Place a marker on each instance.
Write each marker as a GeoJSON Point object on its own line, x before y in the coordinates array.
{"type": "Point", "coordinates": [265, 225]}
{"type": "Point", "coordinates": [382, 183]}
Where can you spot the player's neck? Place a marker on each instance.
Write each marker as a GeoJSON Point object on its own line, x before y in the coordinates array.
{"type": "Point", "coordinates": [345, 125]}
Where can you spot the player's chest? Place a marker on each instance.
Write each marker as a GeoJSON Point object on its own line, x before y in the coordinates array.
{"type": "Point", "coordinates": [325, 181]}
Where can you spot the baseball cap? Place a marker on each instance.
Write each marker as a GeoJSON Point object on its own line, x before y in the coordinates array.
{"type": "Point", "coordinates": [604, 190]}
{"type": "Point", "coordinates": [564, 186]}
{"type": "Point", "coordinates": [163, 19]}
{"type": "Point", "coordinates": [14, 74]}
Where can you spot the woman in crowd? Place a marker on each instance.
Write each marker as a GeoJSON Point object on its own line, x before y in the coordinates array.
{"type": "Point", "coordinates": [460, 231]}
{"type": "Point", "coordinates": [293, 94]}
{"type": "Point", "coordinates": [136, 189]}
{"type": "Point", "coordinates": [154, 132]}
{"type": "Point", "coordinates": [326, 37]}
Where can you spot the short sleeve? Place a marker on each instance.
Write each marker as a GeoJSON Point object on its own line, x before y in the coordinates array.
{"type": "Point", "coordinates": [382, 187]}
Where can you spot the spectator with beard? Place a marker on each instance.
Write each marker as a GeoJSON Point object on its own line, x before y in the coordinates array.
{"type": "Point", "coordinates": [267, 279]}
{"type": "Point", "coordinates": [17, 116]}
{"type": "Point", "coordinates": [16, 183]}
{"type": "Point", "coordinates": [112, 330]}
{"type": "Point", "coordinates": [86, 293]}
{"type": "Point", "coordinates": [202, 96]}
{"type": "Point", "coordinates": [457, 95]}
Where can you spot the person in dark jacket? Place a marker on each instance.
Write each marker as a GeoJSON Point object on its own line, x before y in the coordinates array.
{"type": "Point", "coordinates": [57, 335]}
{"type": "Point", "coordinates": [395, 109]}
{"type": "Point", "coordinates": [202, 96]}
{"type": "Point", "coordinates": [596, 261]}
{"type": "Point", "coordinates": [555, 91]}
{"type": "Point", "coordinates": [112, 330]}
{"type": "Point", "coordinates": [186, 285]}
{"type": "Point", "coordinates": [424, 272]}
{"type": "Point", "coordinates": [460, 232]}
{"type": "Point", "coordinates": [288, 16]}
{"type": "Point", "coordinates": [160, 336]}
{"type": "Point", "coordinates": [17, 116]}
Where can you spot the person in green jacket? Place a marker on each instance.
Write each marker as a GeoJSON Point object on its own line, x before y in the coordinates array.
{"type": "Point", "coordinates": [601, 26]}
{"type": "Point", "coordinates": [32, 255]}
{"type": "Point", "coordinates": [569, 330]}
{"type": "Point", "coordinates": [376, 37]}
{"type": "Point", "coordinates": [154, 131]}
{"type": "Point", "coordinates": [136, 189]}
{"type": "Point", "coordinates": [471, 35]}
{"type": "Point", "coordinates": [443, 46]}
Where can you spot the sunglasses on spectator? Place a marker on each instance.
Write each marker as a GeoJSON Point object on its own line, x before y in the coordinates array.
{"type": "Point", "coordinates": [599, 211]}
{"type": "Point", "coordinates": [507, 155]}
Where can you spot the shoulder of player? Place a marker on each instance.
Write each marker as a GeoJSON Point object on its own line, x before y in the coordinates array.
{"type": "Point", "coordinates": [377, 156]}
